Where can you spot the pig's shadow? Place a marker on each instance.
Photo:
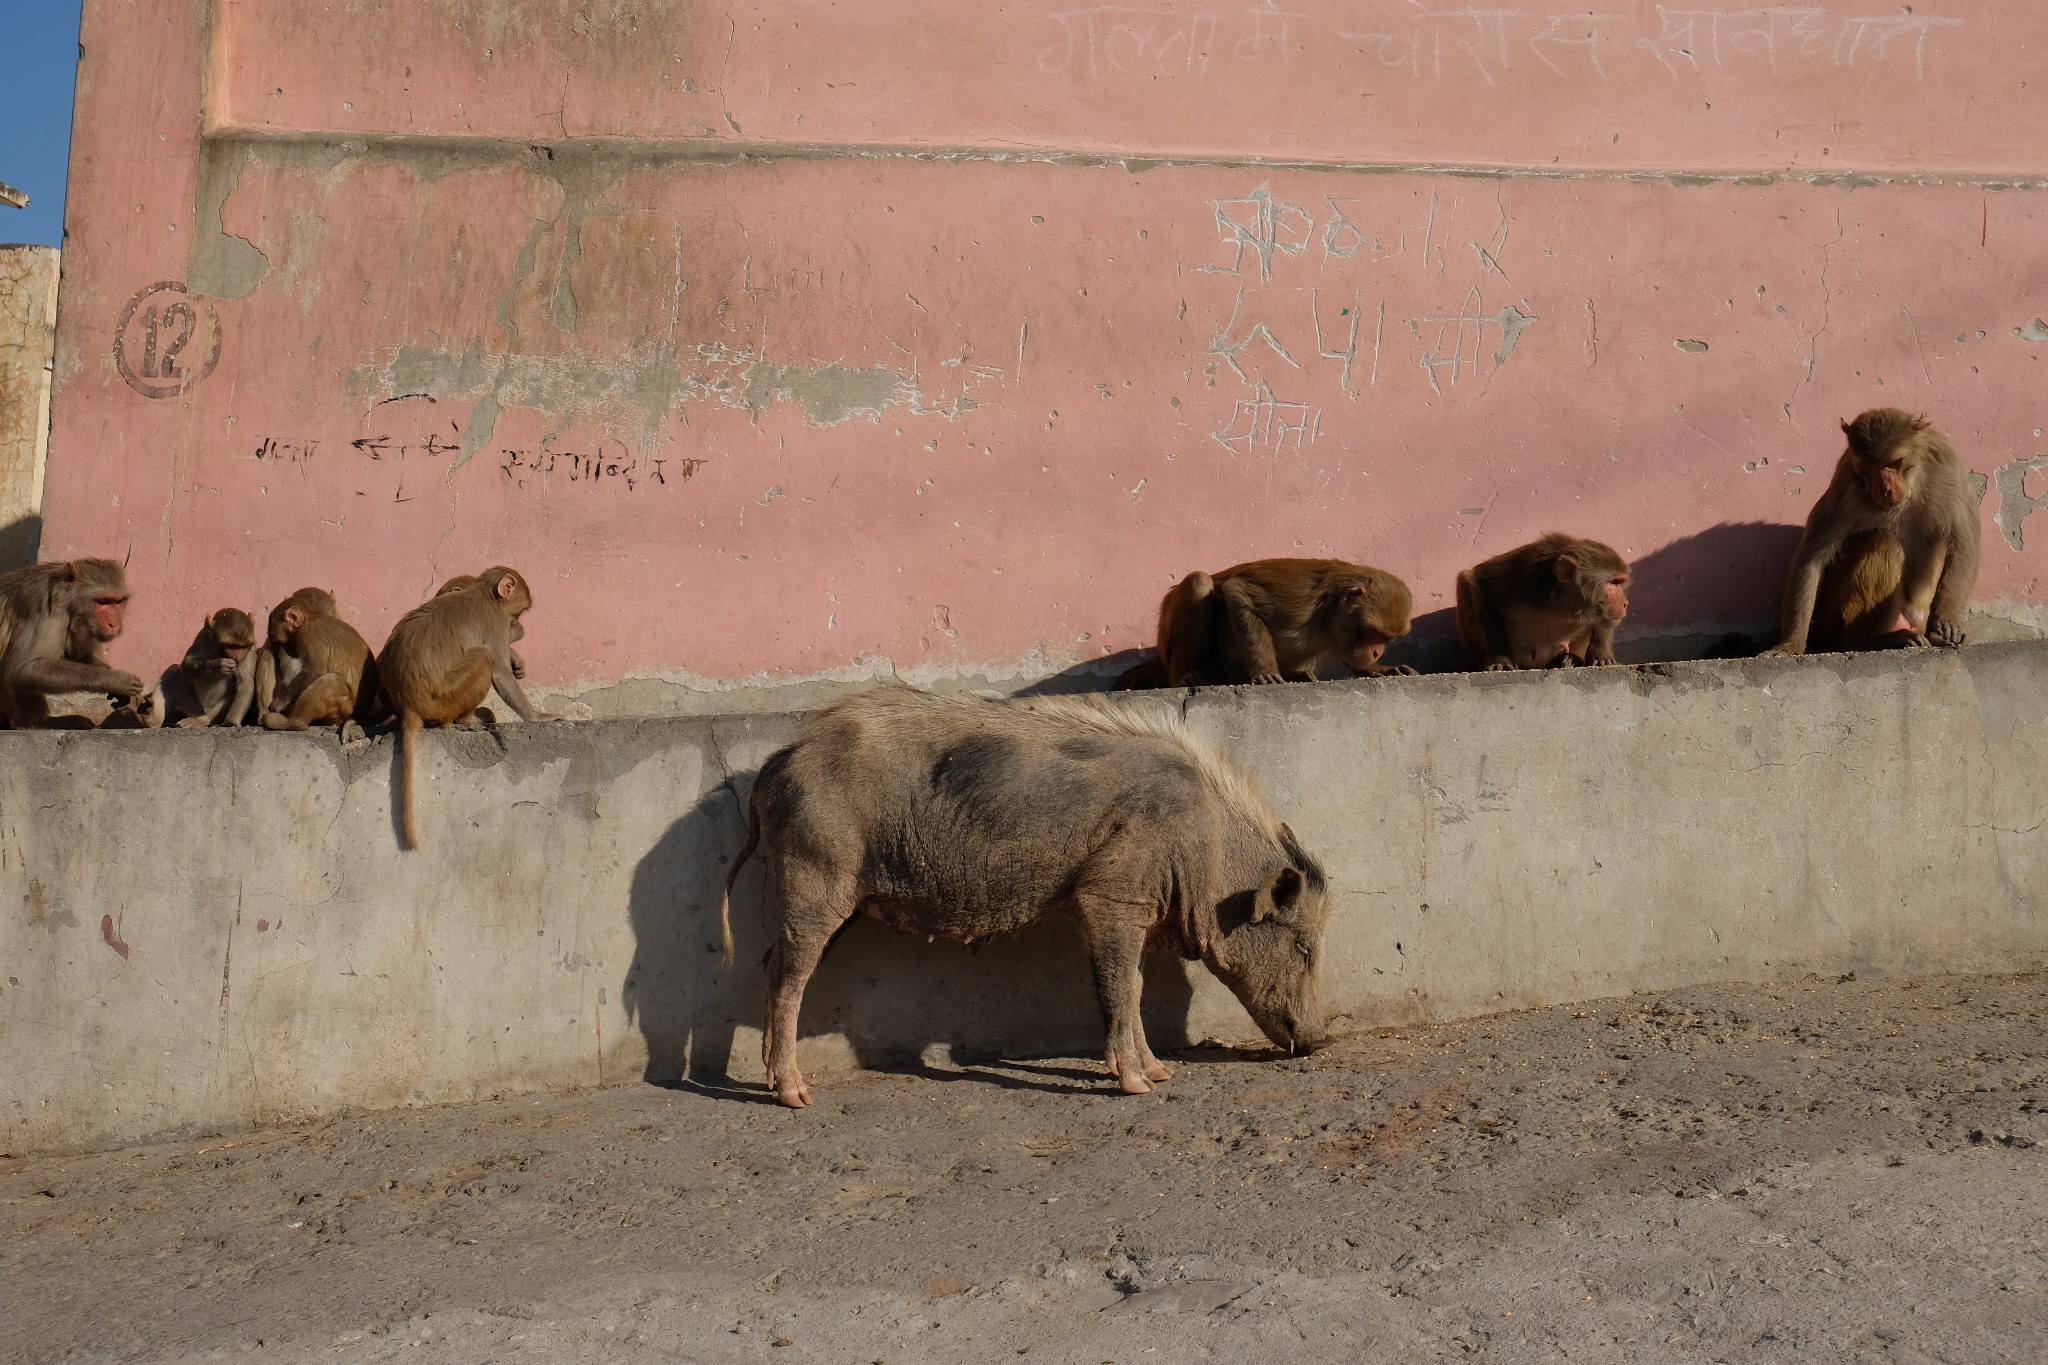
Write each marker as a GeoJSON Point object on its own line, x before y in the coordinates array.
{"type": "Point", "coordinates": [891, 997]}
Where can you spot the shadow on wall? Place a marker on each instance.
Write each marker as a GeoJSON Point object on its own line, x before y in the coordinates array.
{"type": "Point", "coordinates": [874, 983]}
{"type": "Point", "coordinates": [19, 542]}
{"type": "Point", "coordinates": [1727, 577]}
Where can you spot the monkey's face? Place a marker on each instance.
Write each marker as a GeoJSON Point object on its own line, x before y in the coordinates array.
{"type": "Point", "coordinates": [1371, 621]}
{"type": "Point", "coordinates": [1887, 482]}
{"type": "Point", "coordinates": [1613, 598]}
{"type": "Point", "coordinates": [107, 608]}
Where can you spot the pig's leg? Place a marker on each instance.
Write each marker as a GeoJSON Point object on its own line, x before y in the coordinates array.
{"type": "Point", "coordinates": [811, 914]}
{"type": "Point", "coordinates": [1118, 949]}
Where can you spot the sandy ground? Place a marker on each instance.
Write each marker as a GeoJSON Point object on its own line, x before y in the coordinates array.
{"type": "Point", "coordinates": [1822, 1171]}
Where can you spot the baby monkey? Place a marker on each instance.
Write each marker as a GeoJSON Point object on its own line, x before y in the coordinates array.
{"type": "Point", "coordinates": [1553, 603]}
{"type": "Point", "coordinates": [208, 686]}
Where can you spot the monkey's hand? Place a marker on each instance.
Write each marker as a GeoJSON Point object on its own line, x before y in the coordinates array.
{"type": "Point", "coordinates": [194, 723]}
{"type": "Point", "coordinates": [227, 668]}
{"type": "Point", "coordinates": [1500, 663]}
{"type": "Point", "coordinates": [123, 686]}
{"type": "Point", "coordinates": [1301, 675]}
{"type": "Point", "coordinates": [1390, 671]}
{"type": "Point", "coordinates": [1945, 634]}
{"type": "Point", "coordinates": [1598, 659]}
{"type": "Point", "coordinates": [1267, 678]}
{"type": "Point", "coordinates": [1566, 660]}
{"type": "Point", "coordinates": [1780, 652]}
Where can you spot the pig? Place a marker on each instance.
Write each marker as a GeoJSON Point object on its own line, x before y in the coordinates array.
{"type": "Point", "coordinates": [960, 817]}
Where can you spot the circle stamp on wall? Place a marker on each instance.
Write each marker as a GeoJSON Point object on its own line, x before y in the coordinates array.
{"type": "Point", "coordinates": [167, 341]}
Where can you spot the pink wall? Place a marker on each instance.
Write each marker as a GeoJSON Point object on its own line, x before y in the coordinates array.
{"type": "Point", "coordinates": [768, 339]}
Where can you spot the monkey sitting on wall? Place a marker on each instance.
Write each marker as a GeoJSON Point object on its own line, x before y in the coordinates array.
{"type": "Point", "coordinates": [55, 623]}
{"type": "Point", "coordinates": [444, 657]}
{"type": "Point", "coordinates": [1891, 548]}
{"type": "Point", "coordinates": [1276, 620]}
{"type": "Point", "coordinates": [1552, 603]}
{"type": "Point", "coordinates": [209, 685]}
{"type": "Point", "coordinates": [320, 670]}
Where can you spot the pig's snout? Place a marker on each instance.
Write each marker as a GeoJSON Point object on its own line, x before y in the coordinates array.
{"type": "Point", "coordinates": [1299, 1035]}
{"type": "Point", "coordinates": [1304, 1038]}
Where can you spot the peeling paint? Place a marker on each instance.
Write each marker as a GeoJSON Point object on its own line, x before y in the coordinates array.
{"type": "Point", "coordinates": [829, 393]}
{"type": "Point", "coordinates": [647, 383]}
{"type": "Point", "coordinates": [2037, 330]}
{"type": "Point", "coordinates": [220, 264]}
{"type": "Point", "coordinates": [1691, 347]}
{"type": "Point", "coordinates": [2014, 506]}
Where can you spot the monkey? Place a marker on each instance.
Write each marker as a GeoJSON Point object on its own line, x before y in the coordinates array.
{"type": "Point", "coordinates": [443, 658]}
{"type": "Point", "coordinates": [323, 669]}
{"type": "Point", "coordinates": [201, 689]}
{"type": "Point", "coordinates": [461, 581]}
{"type": "Point", "coordinates": [1143, 674]}
{"type": "Point", "coordinates": [1276, 620]}
{"type": "Point", "coordinates": [275, 669]}
{"type": "Point", "coordinates": [1891, 547]}
{"type": "Point", "coordinates": [1553, 603]}
{"type": "Point", "coordinates": [56, 620]}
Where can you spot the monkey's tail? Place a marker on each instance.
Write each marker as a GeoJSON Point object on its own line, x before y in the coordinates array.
{"type": "Point", "coordinates": [725, 901]}
{"type": "Point", "coordinates": [409, 726]}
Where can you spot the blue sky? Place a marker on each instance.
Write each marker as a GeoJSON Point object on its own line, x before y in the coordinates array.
{"type": "Point", "coordinates": [35, 115]}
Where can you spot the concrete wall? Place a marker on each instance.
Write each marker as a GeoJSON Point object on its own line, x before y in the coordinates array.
{"type": "Point", "coordinates": [216, 928]}
{"type": "Point", "coordinates": [28, 342]}
{"type": "Point", "coordinates": [798, 341]}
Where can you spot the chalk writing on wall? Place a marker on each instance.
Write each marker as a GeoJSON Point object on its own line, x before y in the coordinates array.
{"type": "Point", "coordinates": [1485, 44]}
{"type": "Point", "coordinates": [1303, 305]}
{"type": "Point", "coordinates": [1107, 41]}
{"type": "Point", "coordinates": [1112, 43]}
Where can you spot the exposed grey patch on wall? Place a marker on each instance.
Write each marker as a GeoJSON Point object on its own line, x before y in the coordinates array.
{"type": "Point", "coordinates": [1691, 347]}
{"type": "Point", "coordinates": [2037, 330]}
{"type": "Point", "coordinates": [829, 393]}
{"type": "Point", "coordinates": [647, 384]}
{"type": "Point", "coordinates": [219, 263]}
{"type": "Point", "coordinates": [2014, 506]}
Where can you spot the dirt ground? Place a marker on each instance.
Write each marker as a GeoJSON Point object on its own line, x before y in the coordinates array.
{"type": "Point", "coordinates": [1822, 1171]}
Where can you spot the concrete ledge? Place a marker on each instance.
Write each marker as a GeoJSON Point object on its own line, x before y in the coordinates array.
{"type": "Point", "coordinates": [214, 929]}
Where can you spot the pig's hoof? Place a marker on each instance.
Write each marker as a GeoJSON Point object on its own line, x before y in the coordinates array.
{"type": "Point", "coordinates": [795, 1096]}
{"type": "Point", "coordinates": [1135, 1085]}
{"type": "Point", "coordinates": [1156, 1070]}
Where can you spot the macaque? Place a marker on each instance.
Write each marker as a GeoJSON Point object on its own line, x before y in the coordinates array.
{"type": "Point", "coordinates": [464, 580]}
{"type": "Point", "coordinates": [1891, 548]}
{"type": "Point", "coordinates": [1553, 603]}
{"type": "Point", "coordinates": [322, 670]}
{"type": "Point", "coordinates": [275, 669]}
{"type": "Point", "coordinates": [202, 688]}
{"type": "Point", "coordinates": [444, 657]}
{"type": "Point", "coordinates": [55, 623]}
{"type": "Point", "coordinates": [1276, 620]}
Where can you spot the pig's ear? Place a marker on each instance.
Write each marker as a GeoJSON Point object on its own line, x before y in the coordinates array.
{"type": "Point", "coordinates": [1280, 898]}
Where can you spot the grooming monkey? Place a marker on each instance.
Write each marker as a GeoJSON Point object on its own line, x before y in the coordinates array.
{"type": "Point", "coordinates": [55, 623]}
